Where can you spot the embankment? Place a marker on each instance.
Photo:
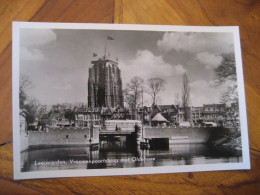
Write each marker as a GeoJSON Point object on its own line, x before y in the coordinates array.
{"type": "Point", "coordinates": [184, 134]}
{"type": "Point", "coordinates": [63, 136]}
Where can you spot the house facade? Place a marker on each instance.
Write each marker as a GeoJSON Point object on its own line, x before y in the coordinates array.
{"type": "Point", "coordinates": [215, 113]}
{"type": "Point", "coordinates": [169, 112]}
{"type": "Point", "coordinates": [196, 115]}
{"type": "Point", "coordinates": [232, 116]}
{"type": "Point", "coordinates": [23, 124]}
{"type": "Point", "coordinates": [84, 117]}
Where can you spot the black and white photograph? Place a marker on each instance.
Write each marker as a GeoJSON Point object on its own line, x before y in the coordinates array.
{"type": "Point", "coordinates": [105, 99]}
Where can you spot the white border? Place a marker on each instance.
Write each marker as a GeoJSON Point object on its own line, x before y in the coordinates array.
{"type": "Point", "coordinates": [245, 164]}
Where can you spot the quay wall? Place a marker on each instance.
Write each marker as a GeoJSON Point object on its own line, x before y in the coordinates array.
{"type": "Point", "coordinates": [181, 134]}
{"type": "Point", "coordinates": [23, 141]}
{"type": "Point", "coordinates": [63, 136]}
{"type": "Point", "coordinates": [81, 136]}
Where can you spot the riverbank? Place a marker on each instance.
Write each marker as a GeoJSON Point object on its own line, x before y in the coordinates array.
{"type": "Point", "coordinates": [226, 137]}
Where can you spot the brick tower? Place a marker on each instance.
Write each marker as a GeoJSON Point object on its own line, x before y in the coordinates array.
{"type": "Point", "coordinates": [105, 84]}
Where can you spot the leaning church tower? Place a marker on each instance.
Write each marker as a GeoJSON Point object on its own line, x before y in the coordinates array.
{"type": "Point", "coordinates": [105, 84]}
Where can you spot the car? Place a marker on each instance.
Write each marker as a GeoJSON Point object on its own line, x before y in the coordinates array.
{"type": "Point", "coordinates": [32, 126]}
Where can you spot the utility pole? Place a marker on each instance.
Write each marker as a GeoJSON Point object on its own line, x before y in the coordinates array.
{"type": "Point", "coordinates": [142, 114]}
{"type": "Point", "coordinates": [91, 126]}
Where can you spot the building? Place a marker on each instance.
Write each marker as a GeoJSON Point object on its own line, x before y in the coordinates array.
{"type": "Point", "coordinates": [215, 113]}
{"type": "Point", "coordinates": [180, 115]}
{"type": "Point", "coordinates": [159, 120]}
{"type": "Point", "coordinates": [23, 124]}
{"type": "Point", "coordinates": [85, 116]}
{"type": "Point", "coordinates": [105, 84]}
{"type": "Point", "coordinates": [56, 117]}
{"type": "Point", "coordinates": [232, 116]}
{"type": "Point", "coordinates": [169, 112]}
{"type": "Point", "coordinates": [196, 115]}
{"type": "Point", "coordinates": [144, 115]}
{"type": "Point", "coordinates": [174, 114]}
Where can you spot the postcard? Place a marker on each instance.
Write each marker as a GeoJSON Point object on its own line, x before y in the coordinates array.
{"type": "Point", "coordinates": [117, 99]}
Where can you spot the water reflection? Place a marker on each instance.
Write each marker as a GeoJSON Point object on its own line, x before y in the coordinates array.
{"type": "Point", "coordinates": [120, 153]}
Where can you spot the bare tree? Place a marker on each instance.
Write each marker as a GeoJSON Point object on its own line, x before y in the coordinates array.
{"type": "Point", "coordinates": [133, 94]}
{"type": "Point", "coordinates": [24, 85]}
{"type": "Point", "coordinates": [177, 99]}
{"type": "Point", "coordinates": [185, 96]}
{"type": "Point", "coordinates": [154, 86]}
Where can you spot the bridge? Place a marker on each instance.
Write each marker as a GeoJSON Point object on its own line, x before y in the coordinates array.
{"type": "Point", "coordinates": [115, 133]}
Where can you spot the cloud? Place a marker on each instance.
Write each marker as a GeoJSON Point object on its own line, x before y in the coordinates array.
{"type": "Point", "coordinates": [36, 37]}
{"type": "Point", "coordinates": [179, 69]}
{"type": "Point", "coordinates": [31, 54]}
{"type": "Point", "coordinates": [31, 42]}
{"type": "Point", "coordinates": [197, 42]}
{"type": "Point", "coordinates": [62, 86]}
{"type": "Point", "coordinates": [202, 92]}
{"type": "Point", "coordinates": [146, 65]}
{"type": "Point", "coordinates": [211, 61]}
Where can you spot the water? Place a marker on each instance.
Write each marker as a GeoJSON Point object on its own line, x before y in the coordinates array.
{"type": "Point", "coordinates": [117, 153]}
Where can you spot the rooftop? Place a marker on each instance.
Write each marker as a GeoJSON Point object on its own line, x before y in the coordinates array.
{"type": "Point", "coordinates": [210, 105]}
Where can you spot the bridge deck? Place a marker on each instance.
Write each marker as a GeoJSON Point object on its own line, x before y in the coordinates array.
{"type": "Point", "coordinates": [115, 132]}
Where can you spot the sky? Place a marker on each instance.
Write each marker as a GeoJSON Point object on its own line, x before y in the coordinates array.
{"type": "Point", "coordinates": [56, 61]}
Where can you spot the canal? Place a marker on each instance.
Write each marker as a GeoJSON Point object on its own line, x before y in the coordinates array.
{"type": "Point", "coordinates": [117, 152]}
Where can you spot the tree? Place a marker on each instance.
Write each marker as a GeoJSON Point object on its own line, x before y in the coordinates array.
{"type": "Point", "coordinates": [42, 111]}
{"type": "Point", "coordinates": [226, 71]}
{"type": "Point", "coordinates": [227, 78]}
{"type": "Point", "coordinates": [177, 99]}
{"type": "Point", "coordinates": [155, 85]}
{"type": "Point", "coordinates": [185, 96]}
{"type": "Point", "coordinates": [133, 93]}
{"type": "Point", "coordinates": [31, 107]}
{"type": "Point", "coordinates": [70, 115]}
{"type": "Point", "coordinates": [24, 85]}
